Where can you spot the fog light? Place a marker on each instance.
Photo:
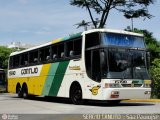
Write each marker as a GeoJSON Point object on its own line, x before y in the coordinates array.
{"type": "Point", "coordinates": [114, 94]}
{"type": "Point", "coordinates": [147, 92]}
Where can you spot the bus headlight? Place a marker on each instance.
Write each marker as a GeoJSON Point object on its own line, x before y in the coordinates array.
{"type": "Point", "coordinates": [112, 85]}
{"type": "Point", "coordinates": [146, 85]}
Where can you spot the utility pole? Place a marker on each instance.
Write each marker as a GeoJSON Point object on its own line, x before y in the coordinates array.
{"type": "Point", "coordinates": [132, 24]}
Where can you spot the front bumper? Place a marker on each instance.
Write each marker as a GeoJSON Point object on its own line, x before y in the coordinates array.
{"type": "Point", "coordinates": [126, 93]}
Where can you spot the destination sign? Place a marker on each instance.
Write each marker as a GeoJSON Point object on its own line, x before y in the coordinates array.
{"type": "Point", "coordinates": [123, 40]}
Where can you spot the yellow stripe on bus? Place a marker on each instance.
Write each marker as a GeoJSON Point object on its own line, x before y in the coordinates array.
{"type": "Point", "coordinates": [41, 80]}
{"type": "Point", "coordinates": [35, 84]}
{"type": "Point", "coordinates": [56, 41]}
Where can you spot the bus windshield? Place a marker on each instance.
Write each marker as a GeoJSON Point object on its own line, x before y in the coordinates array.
{"type": "Point", "coordinates": [125, 64]}
{"type": "Point", "coordinates": [115, 56]}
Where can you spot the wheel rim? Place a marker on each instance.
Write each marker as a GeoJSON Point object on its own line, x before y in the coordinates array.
{"type": "Point", "coordinates": [25, 93]}
{"type": "Point", "coordinates": [19, 92]}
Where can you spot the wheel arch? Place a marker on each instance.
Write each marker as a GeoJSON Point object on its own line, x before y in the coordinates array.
{"type": "Point", "coordinates": [75, 83]}
{"type": "Point", "coordinates": [24, 86]}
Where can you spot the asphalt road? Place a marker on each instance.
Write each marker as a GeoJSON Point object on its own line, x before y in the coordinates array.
{"type": "Point", "coordinates": [11, 104]}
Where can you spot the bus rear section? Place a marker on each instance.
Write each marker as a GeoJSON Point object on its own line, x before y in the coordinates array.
{"type": "Point", "coordinates": [2, 81]}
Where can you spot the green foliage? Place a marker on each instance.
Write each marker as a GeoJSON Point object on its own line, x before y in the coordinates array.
{"type": "Point", "coordinates": [4, 55]}
{"type": "Point", "coordinates": [130, 8]}
{"type": "Point", "coordinates": [155, 73]}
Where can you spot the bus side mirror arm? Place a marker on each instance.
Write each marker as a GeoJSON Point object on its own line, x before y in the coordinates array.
{"type": "Point", "coordinates": [148, 59]}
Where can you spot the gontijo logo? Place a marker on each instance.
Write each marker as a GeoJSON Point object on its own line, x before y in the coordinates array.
{"type": "Point", "coordinates": [95, 89]}
{"type": "Point", "coordinates": [29, 71]}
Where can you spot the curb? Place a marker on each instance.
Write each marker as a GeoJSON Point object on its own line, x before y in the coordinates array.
{"type": "Point", "coordinates": [142, 100]}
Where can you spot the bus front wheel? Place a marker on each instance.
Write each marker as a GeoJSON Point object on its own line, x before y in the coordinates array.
{"type": "Point", "coordinates": [76, 94]}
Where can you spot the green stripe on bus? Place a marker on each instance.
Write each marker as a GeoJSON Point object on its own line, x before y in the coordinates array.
{"type": "Point", "coordinates": [57, 80]}
{"type": "Point", "coordinates": [50, 77]}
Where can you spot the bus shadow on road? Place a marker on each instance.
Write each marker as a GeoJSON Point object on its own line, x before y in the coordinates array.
{"type": "Point", "coordinates": [121, 104]}
{"type": "Point", "coordinates": [88, 102]}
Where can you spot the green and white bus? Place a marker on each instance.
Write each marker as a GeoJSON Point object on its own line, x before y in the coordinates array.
{"type": "Point", "coordinates": [99, 64]}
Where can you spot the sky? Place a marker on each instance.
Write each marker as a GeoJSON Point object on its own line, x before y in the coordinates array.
{"type": "Point", "coordinates": [39, 21]}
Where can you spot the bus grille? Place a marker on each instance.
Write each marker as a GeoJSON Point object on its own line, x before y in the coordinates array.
{"type": "Point", "coordinates": [131, 85]}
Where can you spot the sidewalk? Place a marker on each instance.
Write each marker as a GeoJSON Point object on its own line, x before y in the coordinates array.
{"type": "Point", "coordinates": [142, 100]}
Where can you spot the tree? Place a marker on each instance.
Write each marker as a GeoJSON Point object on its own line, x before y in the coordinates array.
{"type": "Point", "coordinates": [130, 8]}
{"type": "Point", "coordinates": [83, 24]}
{"type": "Point", "coordinates": [4, 55]}
{"type": "Point", "coordinates": [155, 73]}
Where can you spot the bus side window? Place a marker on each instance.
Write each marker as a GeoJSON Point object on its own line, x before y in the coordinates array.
{"type": "Point", "coordinates": [47, 53]}
{"type": "Point", "coordinates": [54, 52]}
{"type": "Point", "coordinates": [78, 47]}
{"type": "Point", "coordinates": [44, 54]}
{"type": "Point", "coordinates": [74, 48]}
{"type": "Point", "coordinates": [92, 40]}
{"type": "Point", "coordinates": [61, 51]}
{"type": "Point", "coordinates": [24, 59]}
{"type": "Point", "coordinates": [11, 62]}
{"type": "Point", "coordinates": [33, 57]}
{"type": "Point", "coordinates": [16, 60]}
{"type": "Point", "coordinates": [69, 48]}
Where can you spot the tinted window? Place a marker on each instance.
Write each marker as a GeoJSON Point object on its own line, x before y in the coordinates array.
{"type": "Point", "coordinates": [33, 57]}
{"type": "Point", "coordinates": [24, 59]}
{"type": "Point", "coordinates": [16, 61]}
{"type": "Point", "coordinates": [61, 53]}
{"type": "Point", "coordinates": [74, 48]}
{"type": "Point", "coordinates": [44, 54]}
{"type": "Point", "coordinates": [92, 39]}
{"type": "Point", "coordinates": [78, 46]}
{"type": "Point", "coordinates": [70, 49]}
{"type": "Point", "coordinates": [54, 52]}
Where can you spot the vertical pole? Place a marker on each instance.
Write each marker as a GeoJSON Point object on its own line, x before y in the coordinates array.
{"type": "Point", "coordinates": [132, 23]}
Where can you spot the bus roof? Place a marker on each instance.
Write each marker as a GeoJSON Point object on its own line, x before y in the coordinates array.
{"type": "Point", "coordinates": [113, 31]}
{"type": "Point", "coordinates": [72, 36]}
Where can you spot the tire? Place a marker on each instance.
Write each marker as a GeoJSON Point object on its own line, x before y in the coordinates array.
{"type": "Point", "coordinates": [76, 94]}
{"type": "Point", "coordinates": [25, 92]}
{"type": "Point", "coordinates": [19, 92]}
